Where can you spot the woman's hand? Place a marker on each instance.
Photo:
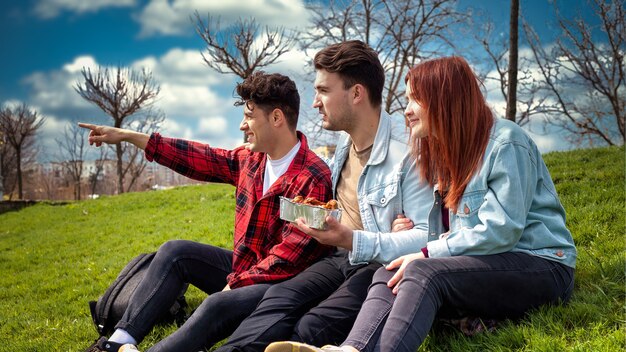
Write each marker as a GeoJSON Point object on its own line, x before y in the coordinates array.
{"type": "Point", "coordinates": [401, 262]}
{"type": "Point", "coordinates": [401, 223]}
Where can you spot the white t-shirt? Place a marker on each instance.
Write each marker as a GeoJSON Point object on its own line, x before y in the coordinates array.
{"type": "Point", "coordinates": [276, 168]}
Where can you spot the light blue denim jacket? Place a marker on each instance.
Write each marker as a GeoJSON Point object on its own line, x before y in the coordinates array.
{"type": "Point", "coordinates": [389, 185]}
{"type": "Point", "coordinates": [511, 204]}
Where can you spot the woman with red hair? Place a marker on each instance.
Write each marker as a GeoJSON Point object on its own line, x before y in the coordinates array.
{"type": "Point", "coordinates": [498, 245]}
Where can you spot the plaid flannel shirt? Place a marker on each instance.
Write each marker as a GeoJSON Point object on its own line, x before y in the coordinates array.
{"type": "Point", "coordinates": [266, 248]}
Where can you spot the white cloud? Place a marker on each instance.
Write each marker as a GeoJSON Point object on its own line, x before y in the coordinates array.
{"type": "Point", "coordinates": [187, 87]}
{"type": "Point", "coordinates": [197, 102]}
{"type": "Point", "coordinates": [11, 104]}
{"type": "Point", "coordinates": [212, 126]}
{"type": "Point", "coordinates": [79, 63]}
{"type": "Point", "coordinates": [52, 129]}
{"type": "Point", "coordinates": [183, 67]}
{"type": "Point", "coordinates": [172, 127]}
{"type": "Point", "coordinates": [53, 8]}
{"type": "Point", "coordinates": [184, 100]}
{"type": "Point", "coordinates": [55, 89]}
{"type": "Point", "coordinates": [293, 63]}
{"type": "Point", "coordinates": [173, 17]}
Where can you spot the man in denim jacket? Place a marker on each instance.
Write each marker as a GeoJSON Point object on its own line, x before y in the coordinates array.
{"type": "Point", "coordinates": [374, 180]}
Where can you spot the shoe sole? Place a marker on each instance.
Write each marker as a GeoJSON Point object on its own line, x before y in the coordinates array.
{"type": "Point", "coordinates": [289, 346]}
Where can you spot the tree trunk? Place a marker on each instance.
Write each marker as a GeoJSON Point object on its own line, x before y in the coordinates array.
{"type": "Point", "coordinates": [120, 175]}
{"type": "Point", "coordinates": [511, 100]}
{"type": "Point", "coordinates": [18, 151]}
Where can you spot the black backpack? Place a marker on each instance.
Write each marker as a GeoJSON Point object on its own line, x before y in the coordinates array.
{"type": "Point", "coordinates": [110, 307]}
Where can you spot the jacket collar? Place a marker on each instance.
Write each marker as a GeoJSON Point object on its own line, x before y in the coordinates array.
{"type": "Point", "coordinates": [381, 140]}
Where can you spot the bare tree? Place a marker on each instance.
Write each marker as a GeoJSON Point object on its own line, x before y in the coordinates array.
{"type": "Point", "coordinates": [583, 74]}
{"type": "Point", "coordinates": [403, 32]}
{"type": "Point", "coordinates": [511, 97]}
{"type": "Point", "coordinates": [237, 48]}
{"type": "Point", "coordinates": [72, 147]}
{"type": "Point", "coordinates": [135, 161]}
{"type": "Point", "coordinates": [528, 101]}
{"type": "Point", "coordinates": [94, 177]}
{"type": "Point", "coordinates": [233, 49]}
{"type": "Point", "coordinates": [7, 167]}
{"type": "Point", "coordinates": [119, 94]}
{"type": "Point", "coordinates": [19, 127]}
{"type": "Point", "coordinates": [48, 184]}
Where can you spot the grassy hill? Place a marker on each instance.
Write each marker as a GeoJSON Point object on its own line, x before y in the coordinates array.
{"type": "Point", "coordinates": [54, 259]}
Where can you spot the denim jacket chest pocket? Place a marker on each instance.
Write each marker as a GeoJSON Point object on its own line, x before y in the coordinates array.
{"type": "Point", "coordinates": [384, 199]}
{"type": "Point", "coordinates": [467, 213]}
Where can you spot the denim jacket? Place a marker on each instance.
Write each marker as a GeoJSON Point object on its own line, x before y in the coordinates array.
{"type": "Point", "coordinates": [511, 204]}
{"type": "Point", "coordinates": [388, 185]}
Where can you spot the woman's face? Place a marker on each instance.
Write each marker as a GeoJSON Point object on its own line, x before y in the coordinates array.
{"type": "Point", "coordinates": [415, 116]}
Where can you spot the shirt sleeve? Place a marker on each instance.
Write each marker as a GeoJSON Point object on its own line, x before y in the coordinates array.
{"type": "Point", "coordinates": [383, 247]}
{"type": "Point", "coordinates": [196, 160]}
{"type": "Point", "coordinates": [502, 214]}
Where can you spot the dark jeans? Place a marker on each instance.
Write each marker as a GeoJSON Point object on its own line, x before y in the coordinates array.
{"type": "Point", "coordinates": [317, 306]}
{"type": "Point", "coordinates": [206, 267]}
{"type": "Point", "coordinates": [495, 286]}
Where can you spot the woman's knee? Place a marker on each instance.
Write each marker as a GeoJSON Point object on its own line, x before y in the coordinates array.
{"type": "Point", "coordinates": [382, 275]}
{"type": "Point", "coordinates": [422, 272]}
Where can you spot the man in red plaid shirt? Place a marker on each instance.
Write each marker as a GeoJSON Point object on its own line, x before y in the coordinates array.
{"type": "Point", "coordinates": [275, 161]}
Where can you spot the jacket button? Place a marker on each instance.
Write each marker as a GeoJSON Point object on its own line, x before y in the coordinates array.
{"type": "Point", "coordinates": [559, 253]}
{"type": "Point", "coordinates": [466, 209]}
{"type": "Point", "coordinates": [383, 200]}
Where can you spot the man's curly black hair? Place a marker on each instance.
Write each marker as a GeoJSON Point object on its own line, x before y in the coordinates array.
{"type": "Point", "coordinates": [271, 91]}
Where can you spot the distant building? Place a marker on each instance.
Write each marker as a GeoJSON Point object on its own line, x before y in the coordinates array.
{"type": "Point", "coordinates": [327, 151]}
{"type": "Point", "coordinates": [52, 181]}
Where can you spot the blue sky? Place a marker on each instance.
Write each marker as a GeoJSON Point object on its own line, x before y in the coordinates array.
{"type": "Point", "coordinates": [47, 42]}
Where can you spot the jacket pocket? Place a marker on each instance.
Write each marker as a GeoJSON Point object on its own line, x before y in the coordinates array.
{"type": "Point", "coordinates": [384, 192]}
{"type": "Point", "coordinates": [467, 211]}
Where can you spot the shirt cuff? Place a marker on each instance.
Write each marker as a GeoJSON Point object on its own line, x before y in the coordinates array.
{"type": "Point", "coordinates": [360, 252]}
{"type": "Point", "coordinates": [438, 248]}
{"type": "Point", "coordinates": [151, 147]}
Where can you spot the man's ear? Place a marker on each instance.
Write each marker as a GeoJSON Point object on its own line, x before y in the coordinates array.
{"type": "Point", "coordinates": [358, 93]}
{"type": "Point", "coordinates": [277, 117]}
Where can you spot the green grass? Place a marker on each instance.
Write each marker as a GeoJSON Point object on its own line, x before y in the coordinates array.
{"type": "Point", "coordinates": [55, 258]}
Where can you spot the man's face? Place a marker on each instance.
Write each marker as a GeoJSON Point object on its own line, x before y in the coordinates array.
{"type": "Point", "coordinates": [332, 101]}
{"type": "Point", "coordinates": [257, 128]}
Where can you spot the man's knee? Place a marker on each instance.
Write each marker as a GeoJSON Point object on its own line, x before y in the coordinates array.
{"type": "Point", "coordinates": [317, 330]}
{"type": "Point", "coordinates": [172, 249]}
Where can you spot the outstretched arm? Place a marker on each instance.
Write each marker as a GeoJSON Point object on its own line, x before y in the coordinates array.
{"type": "Point", "coordinates": [112, 135]}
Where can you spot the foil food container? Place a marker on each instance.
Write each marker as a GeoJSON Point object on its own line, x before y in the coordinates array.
{"type": "Point", "coordinates": [315, 216]}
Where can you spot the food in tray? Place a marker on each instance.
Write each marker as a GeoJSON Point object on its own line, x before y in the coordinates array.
{"type": "Point", "coordinates": [331, 204]}
{"type": "Point", "coordinates": [312, 210]}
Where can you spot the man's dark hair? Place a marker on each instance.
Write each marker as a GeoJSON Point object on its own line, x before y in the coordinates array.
{"type": "Point", "coordinates": [356, 63]}
{"type": "Point", "coordinates": [271, 91]}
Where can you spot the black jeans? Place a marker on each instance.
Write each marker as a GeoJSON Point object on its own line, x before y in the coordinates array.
{"type": "Point", "coordinates": [317, 306]}
{"type": "Point", "coordinates": [206, 267]}
{"type": "Point", "coordinates": [497, 286]}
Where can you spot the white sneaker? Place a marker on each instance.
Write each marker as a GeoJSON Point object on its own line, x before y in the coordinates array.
{"type": "Point", "coordinates": [128, 348]}
{"type": "Point", "coordinates": [291, 346]}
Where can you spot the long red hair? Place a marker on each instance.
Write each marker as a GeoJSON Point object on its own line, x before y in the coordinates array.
{"type": "Point", "coordinates": [459, 123]}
